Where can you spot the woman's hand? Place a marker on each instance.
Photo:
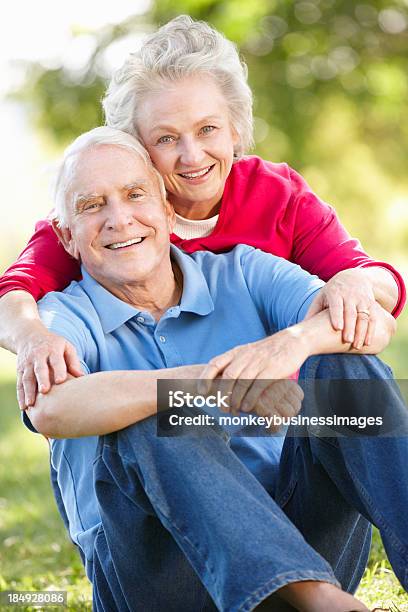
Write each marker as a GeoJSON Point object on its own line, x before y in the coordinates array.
{"type": "Point", "coordinates": [248, 371]}
{"type": "Point", "coordinates": [349, 297]}
{"type": "Point", "coordinates": [43, 359]}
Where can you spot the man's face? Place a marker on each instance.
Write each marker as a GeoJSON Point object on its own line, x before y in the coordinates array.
{"type": "Point", "coordinates": [119, 224]}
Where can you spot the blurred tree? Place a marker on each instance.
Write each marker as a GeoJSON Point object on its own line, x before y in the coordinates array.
{"type": "Point", "coordinates": [330, 84]}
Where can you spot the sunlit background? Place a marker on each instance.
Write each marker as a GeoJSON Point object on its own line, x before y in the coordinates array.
{"type": "Point", "coordinates": [330, 84]}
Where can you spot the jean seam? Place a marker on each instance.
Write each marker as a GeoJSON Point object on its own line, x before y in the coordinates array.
{"type": "Point", "coordinates": [75, 491]}
{"type": "Point", "coordinates": [199, 555]}
{"type": "Point", "coordinates": [378, 516]}
{"type": "Point", "coordinates": [280, 581]}
{"type": "Point", "coordinates": [158, 509]}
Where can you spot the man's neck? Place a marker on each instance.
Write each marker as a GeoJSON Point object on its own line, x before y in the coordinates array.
{"type": "Point", "coordinates": [154, 296]}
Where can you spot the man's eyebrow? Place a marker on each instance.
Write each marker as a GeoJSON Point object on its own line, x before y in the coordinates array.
{"type": "Point", "coordinates": [82, 198]}
{"type": "Point", "coordinates": [137, 183]}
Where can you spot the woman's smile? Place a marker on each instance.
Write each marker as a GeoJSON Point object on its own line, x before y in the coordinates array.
{"type": "Point", "coordinates": [187, 131]}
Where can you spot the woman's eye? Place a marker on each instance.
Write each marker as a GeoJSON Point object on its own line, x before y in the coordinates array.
{"type": "Point", "coordinates": [165, 139]}
{"type": "Point", "coordinates": [207, 129]}
{"type": "Point", "coordinates": [135, 195]}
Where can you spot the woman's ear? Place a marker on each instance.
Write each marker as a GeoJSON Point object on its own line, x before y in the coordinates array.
{"type": "Point", "coordinates": [65, 236]}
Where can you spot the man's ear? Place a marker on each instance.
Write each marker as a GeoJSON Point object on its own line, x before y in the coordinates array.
{"type": "Point", "coordinates": [171, 216]}
{"type": "Point", "coordinates": [65, 236]}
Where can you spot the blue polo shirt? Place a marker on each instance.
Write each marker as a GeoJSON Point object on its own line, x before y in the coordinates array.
{"type": "Point", "coordinates": [228, 300]}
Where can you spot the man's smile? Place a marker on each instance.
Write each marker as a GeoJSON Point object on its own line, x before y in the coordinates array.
{"type": "Point", "coordinates": [128, 243]}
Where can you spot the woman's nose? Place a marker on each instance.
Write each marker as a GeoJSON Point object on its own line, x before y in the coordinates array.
{"type": "Point", "coordinates": [191, 153]}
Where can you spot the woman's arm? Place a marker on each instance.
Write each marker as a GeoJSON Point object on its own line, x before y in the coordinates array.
{"type": "Point", "coordinates": [41, 355]}
{"type": "Point", "coordinates": [43, 266]}
{"type": "Point", "coordinates": [352, 292]}
{"type": "Point", "coordinates": [100, 403]}
{"type": "Point", "coordinates": [355, 281]}
{"type": "Point", "coordinates": [254, 365]}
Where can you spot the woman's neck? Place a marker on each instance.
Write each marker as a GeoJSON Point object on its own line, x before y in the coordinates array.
{"type": "Point", "coordinates": [196, 210]}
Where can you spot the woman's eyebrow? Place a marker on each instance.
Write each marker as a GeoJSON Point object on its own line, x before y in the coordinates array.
{"type": "Point", "coordinates": [170, 128]}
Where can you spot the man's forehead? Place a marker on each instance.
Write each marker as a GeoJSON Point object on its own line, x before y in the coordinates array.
{"type": "Point", "coordinates": [107, 164]}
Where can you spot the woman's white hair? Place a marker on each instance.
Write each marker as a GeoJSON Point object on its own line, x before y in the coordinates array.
{"type": "Point", "coordinates": [103, 135]}
{"type": "Point", "coordinates": [181, 48]}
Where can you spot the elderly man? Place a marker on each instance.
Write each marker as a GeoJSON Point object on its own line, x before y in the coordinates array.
{"type": "Point", "coordinates": [157, 512]}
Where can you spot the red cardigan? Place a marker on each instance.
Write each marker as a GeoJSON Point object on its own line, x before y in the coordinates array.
{"type": "Point", "coordinates": [266, 205]}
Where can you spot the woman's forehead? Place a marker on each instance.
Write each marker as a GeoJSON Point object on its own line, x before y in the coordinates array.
{"type": "Point", "coordinates": [189, 100]}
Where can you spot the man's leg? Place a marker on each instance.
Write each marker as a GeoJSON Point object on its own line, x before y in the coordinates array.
{"type": "Point", "coordinates": [169, 504]}
{"type": "Point", "coordinates": [343, 483]}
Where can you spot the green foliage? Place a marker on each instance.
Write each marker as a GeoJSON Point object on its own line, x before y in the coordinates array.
{"type": "Point", "coordinates": [330, 81]}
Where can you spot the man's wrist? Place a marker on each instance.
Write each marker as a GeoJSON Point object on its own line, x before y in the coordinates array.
{"type": "Point", "coordinates": [316, 336]}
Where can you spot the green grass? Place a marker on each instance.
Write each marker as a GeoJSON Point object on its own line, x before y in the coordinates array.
{"type": "Point", "coordinates": [35, 552]}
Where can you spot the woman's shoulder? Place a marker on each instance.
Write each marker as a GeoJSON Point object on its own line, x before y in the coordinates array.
{"type": "Point", "coordinates": [262, 176]}
{"type": "Point", "coordinates": [252, 165]}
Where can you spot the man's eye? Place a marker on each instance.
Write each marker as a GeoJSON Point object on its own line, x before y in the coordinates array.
{"type": "Point", "coordinates": [165, 139]}
{"type": "Point", "coordinates": [92, 206]}
{"type": "Point", "coordinates": [207, 129]}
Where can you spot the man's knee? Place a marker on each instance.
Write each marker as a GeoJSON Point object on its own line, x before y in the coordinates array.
{"type": "Point", "coordinates": [345, 366]}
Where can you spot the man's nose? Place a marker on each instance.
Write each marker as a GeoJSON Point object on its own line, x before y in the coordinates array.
{"type": "Point", "coordinates": [119, 215]}
{"type": "Point", "coordinates": [191, 152]}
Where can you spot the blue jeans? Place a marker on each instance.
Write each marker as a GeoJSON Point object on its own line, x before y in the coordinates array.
{"type": "Point", "coordinates": [185, 526]}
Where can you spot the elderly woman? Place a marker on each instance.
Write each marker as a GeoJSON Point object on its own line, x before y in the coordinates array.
{"type": "Point", "coordinates": [166, 505]}
{"type": "Point", "coordinates": [185, 95]}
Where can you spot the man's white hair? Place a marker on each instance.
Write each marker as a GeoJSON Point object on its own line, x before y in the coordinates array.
{"type": "Point", "coordinates": [181, 48]}
{"type": "Point", "coordinates": [103, 135]}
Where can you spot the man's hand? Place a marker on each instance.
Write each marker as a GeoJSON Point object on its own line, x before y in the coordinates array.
{"type": "Point", "coordinates": [281, 398]}
{"type": "Point", "coordinates": [43, 359]}
{"type": "Point", "coordinates": [349, 297]}
{"type": "Point", "coordinates": [247, 371]}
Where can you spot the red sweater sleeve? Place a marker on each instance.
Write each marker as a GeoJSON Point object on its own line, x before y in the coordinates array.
{"type": "Point", "coordinates": [321, 244]}
{"type": "Point", "coordinates": [43, 265]}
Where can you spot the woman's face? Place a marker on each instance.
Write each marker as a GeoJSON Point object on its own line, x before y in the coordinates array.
{"type": "Point", "coordinates": [187, 131]}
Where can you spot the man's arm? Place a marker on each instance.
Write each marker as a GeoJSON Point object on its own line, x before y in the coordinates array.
{"type": "Point", "coordinates": [101, 403]}
{"type": "Point", "coordinates": [282, 354]}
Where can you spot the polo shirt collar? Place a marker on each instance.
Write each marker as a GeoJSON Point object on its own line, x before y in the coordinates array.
{"type": "Point", "coordinates": [196, 295]}
{"type": "Point", "coordinates": [113, 312]}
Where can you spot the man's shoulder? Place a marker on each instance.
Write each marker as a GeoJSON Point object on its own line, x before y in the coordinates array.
{"type": "Point", "coordinates": [72, 304]}
{"type": "Point", "coordinates": [69, 298]}
{"type": "Point", "coordinates": [236, 256]}
{"type": "Point", "coordinates": [208, 259]}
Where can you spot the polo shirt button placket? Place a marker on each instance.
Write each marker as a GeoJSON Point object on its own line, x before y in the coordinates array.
{"type": "Point", "coordinates": [162, 339]}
